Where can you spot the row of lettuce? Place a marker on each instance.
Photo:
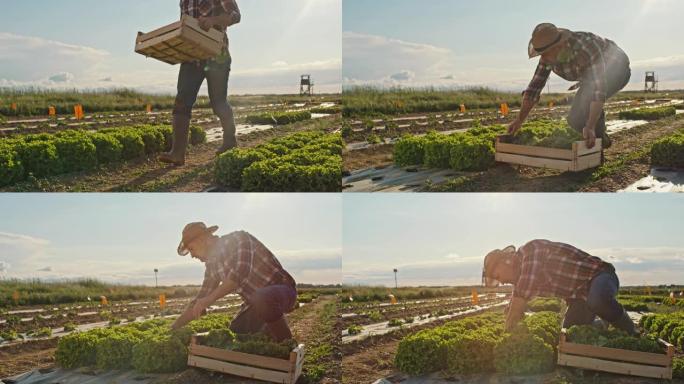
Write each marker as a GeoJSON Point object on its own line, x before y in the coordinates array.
{"type": "Point", "coordinates": [50, 154]}
{"type": "Point", "coordinates": [301, 162]}
{"type": "Point", "coordinates": [473, 150]}
{"type": "Point", "coordinates": [479, 345]}
{"type": "Point", "coordinates": [152, 347]}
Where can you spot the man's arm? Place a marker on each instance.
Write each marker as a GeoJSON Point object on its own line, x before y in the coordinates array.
{"type": "Point", "coordinates": [208, 286]}
{"type": "Point", "coordinates": [516, 312]}
{"type": "Point", "coordinates": [597, 72]}
{"type": "Point", "coordinates": [531, 96]}
{"type": "Point", "coordinates": [227, 286]}
{"type": "Point", "coordinates": [229, 17]}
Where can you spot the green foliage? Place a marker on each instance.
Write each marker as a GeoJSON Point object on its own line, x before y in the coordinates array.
{"type": "Point", "coordinates": [612, 338]}
{"type": "Point", "coordinates": [521, 353]}
{"type": "Point", "coordinates": [159, 354]}
{"type": "Point", "coordinates": [108, 148]}
{"type": "Point", "coordinates": [678, 367]}
{"type": "Point", "coordinates": [375, 316]}
{"type": "Point", "coordinates": [302, 162]}
{"type": "Point", "coordinates": [197, 135]}
{"type": "Point", "coordinates": [373, 139]}
{"type": "Point", "coordinates": [544, 304]}
{"type": "Point", "coordinates": [473, 352]}
{"type": "Point", "coordinates": [11, 168]}
{"type": "Point", "coordinates": [69, 327]}
{"type": "Point", "coordinates": [76, 151]}
{"type": "Point", "coordinates": [79, 349]}
{"type": "Point", "coordinates": [220, 338]}
{"type": "Point", "coordinates": [9, 335]}
{"type": "Point", "coordinates": [41, 332]}
{"type": "Point", "coordinates": [259, 344]}
{"type": "Point", "coordinates": [547, 133]}
{"type": "Point", "coordinates": [39, 157]}
{"type": "Point", "coordinates": [327, 110]}
{"type": "Point", "coordinates": [354, 329]}
{"type": "Point", "coordinates": [116, 350]}
{"type": "Point", "coordinates": [669, 151]}
{"type": "Point", "coordinates": [410, 150]}
{"type": "Point", "coordinates": [648, 113]}
{"type": "Point", "coordinates": [395, 323]}
{"type": "Point", "coordinates": [279, 118]}
{"type": "Point", "coordinates": [131, 140]}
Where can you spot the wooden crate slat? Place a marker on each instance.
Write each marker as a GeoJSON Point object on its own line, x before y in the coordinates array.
{"type": "Point", "coordinates": [583, 150]}
{"type": "Point", "coordinates": [615, 354]}
{"type": "Point", "coordinates": [179, 42]}
{"type": "Point", "coordinates": [587, 162]}
{"type": "Point", "coordinates": [540, 162]}
{"type": "Point", "coordinates": [240, 358]}
{"type": "Point", "coordinates": [239, 370]}
{"type": "Point", "coordinates": [553, 153]}
{"type": "Point", "coordinates": [614, 367]}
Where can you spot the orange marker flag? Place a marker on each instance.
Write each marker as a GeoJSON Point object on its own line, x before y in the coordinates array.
{"type": "Point", "coordinates": [13, 106]}
{"type": "Point", "coordinates": [104, 300]}
{"type": "Point", "coordinates": [463, 108]}
{"type": "Point", "coordinates": [15, 297]}
{"type": "Point", "coordinates": [162, 301]}
{"type": "Point", "coordinates": [504, 109]}
{"type": "Point", "coordinates": [475, 298]}
{"type": "Point", "coordinates": [52, 111]}
{"type": "Point", "coordinates": [148, 108]}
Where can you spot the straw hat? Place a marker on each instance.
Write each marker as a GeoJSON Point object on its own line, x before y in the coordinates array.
{"type": "Point", "coordinates": [544, 37]}
{"type": "Point", "coordinates": [192, 232]}
{"type": "Point", "coordinates": [492, 260]}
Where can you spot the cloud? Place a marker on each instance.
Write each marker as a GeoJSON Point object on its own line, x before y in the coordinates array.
{"type": "Point", "coordinates": [403, 76]}
{"type": "Point", "coordinates": [63, 77]}
{"type": "Point", "coordinates": [4, 267]}
{"type": "Point", "coordinates": [13, 238]}
{"type": "Point", "coordinates": [46, 269]}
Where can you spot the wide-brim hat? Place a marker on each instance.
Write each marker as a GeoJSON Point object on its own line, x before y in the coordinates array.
{"type": "Point", "coordinates": [192, 232]}
{"type": "Point", "coordinates": [492, 260]}
{"type": "Point", "coordinates": [544, 37]}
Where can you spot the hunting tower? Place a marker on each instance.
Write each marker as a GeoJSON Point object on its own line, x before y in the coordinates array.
{"type": "Point", "coordinates": [651, 82]}
{"type": "Point", "coordinates": [306, 86]}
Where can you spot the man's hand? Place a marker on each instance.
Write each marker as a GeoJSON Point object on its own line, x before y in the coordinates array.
{"type": "Point", "coordinates": [589, 136]}
{"type": "Point", "coordinates": [514, 127]}
{"type": "Point", "coordinates": [199, 307]}
{"type": "Point", "coordinates": [206, 23]}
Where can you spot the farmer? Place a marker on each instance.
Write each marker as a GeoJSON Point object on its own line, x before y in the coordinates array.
{"type": "Point", "coordinates": [588, 284]}
{"type": "Point", "coordinates": [239, 263]}
{"type": "Point", "coordinates": [219, 14]}
{"type": "Point", "coordinates": [600, 66]}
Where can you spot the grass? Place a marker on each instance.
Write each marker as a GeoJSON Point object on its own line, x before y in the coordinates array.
{"type": "Point", "coordinates": [362, 294]}
{"type": "Point", "coordinates": [362, 102]}
{"type": "Point", "coordinates": [321, 359]}
{"type": "Point", "coordinates": [35, 101]}
{"type": "Point", "coordinates": [38, 292]}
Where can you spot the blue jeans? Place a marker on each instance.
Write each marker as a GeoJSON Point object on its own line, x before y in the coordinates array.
{"type": "Point", "coordinates": [618, 73]}
{"type": "Point", "coordinates": [190, 79]}
{"type": "Point", "coordinates": [264, 306]}
{"type": "Point", "coordinates": [601, 301]}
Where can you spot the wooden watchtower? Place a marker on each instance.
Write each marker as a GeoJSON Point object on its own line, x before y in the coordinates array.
{"type": "Point", "coordinates": [306, 86]}
{"type": "Point", "coordinates": [651, 82]}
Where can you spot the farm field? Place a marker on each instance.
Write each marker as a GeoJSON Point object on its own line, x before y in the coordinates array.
{"type": "Point", "coordinates": [30, 333]}
{"type": "Point", "coordinates": [70, 168]}
{"type": "Point", "coordinates": [413, 353]}
{"type": "Point", "coordinates": [378, 122]}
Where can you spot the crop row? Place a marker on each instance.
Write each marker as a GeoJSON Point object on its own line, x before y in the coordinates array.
{"type": "Point", "coordinates": [480, 345]}
{"type": "Point", "coordinates": [42, 155]}
{"type": "Point", "coordinates": [278, 118]}
{"type": "Point", "coordinates": [301, 162]}
{"type": "Point", "coordinates": [669, 151]}
{"type": "Point", "coordinates": [667, 326]}
{"type": "Point", "coordinates": [648, 113]}
{"type": "Point", "coordinates": [152, 347]}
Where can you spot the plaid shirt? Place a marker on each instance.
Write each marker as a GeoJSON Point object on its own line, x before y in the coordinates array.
{"type": "Point", "coordinates": [583, 58]}
{"type": "Point", "coordinates": [243, 259]}
{"type": "Point", "coordinates": [199, 8]}
{"type": "Point", "coordinates": [556, 269]}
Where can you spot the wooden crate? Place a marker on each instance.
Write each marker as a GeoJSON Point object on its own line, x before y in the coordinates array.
{"type": "Point", "coordinates": [247, 365]}
{"type": "Point", "coordinates": [615, 360]}
{"type": "Point", "coordinates": [576, 159]}
{"type": "Point", "coordinates": [180, 42]}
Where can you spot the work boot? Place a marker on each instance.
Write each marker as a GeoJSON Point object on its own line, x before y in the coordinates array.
{"type": "Point", "coordinates": [606, 142]}
{"type": "Point", "coordinates": [278, 330]}
{"type": "Point", "coordinates": [626, 324]}
{"type": "Point", "coordinates": [181, 128]}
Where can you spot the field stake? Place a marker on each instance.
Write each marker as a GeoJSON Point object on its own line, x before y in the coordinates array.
{"type": "Point", "coordinates": [463, 108]}
{"type": "Point", "coordinates": [162, 301]}
{"type": "Point", "coordinates": [15, 297]}
{"type": "Point", "coordinates": [13, 107]}
{"type": "Point", "coordinates": [475, 299]}
{"type": "Point", "coordinates": [148, 108]}
{"type": "Point", "coordinates": [52, 111]}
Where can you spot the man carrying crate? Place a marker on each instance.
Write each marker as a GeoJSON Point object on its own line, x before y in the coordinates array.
{"type": "Point", "coordinates": [219, 14]}
{"type": "Point", "coordinates": [588, 284]}
{"type": "Point", "coordinates": [600, 66]}
{"type": "Point", "coordinates": [239, 263]}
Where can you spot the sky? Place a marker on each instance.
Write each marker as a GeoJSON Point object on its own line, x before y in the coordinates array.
{"type": "Point", "coordinates": [122, 237]}
{"type": "Point", "coordinates": [462, 43]}
{"type": "Point", "coordinates": [85, 44]}
{"type": "Point", "coordinates": [441, 239]}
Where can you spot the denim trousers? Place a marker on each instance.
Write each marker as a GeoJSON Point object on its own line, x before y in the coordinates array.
{"type": "Point", "coordinates": [601, 301]}
{"type": "Point", "coordinates": [264, 306]}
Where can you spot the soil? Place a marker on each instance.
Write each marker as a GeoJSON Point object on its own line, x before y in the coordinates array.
{"type": "Point", "coordinates": [24, 357]}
